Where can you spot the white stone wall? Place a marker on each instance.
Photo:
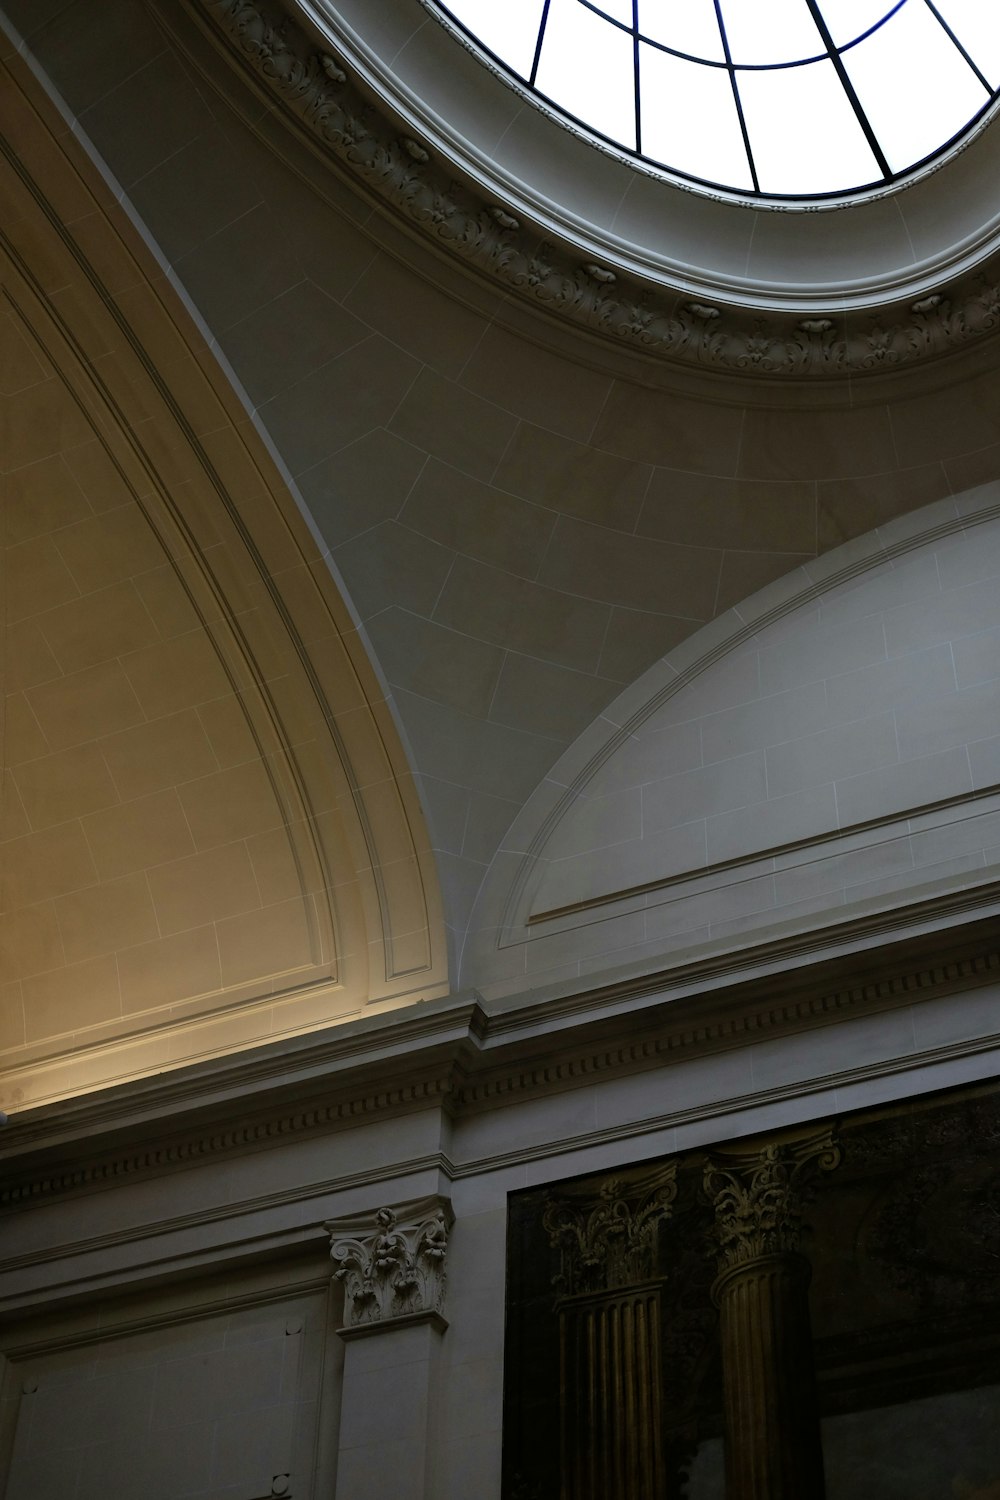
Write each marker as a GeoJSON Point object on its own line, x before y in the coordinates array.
{"type": "Point", "coordinates": [829, 746]}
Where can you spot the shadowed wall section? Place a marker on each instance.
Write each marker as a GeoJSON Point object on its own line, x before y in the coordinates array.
{"type": "Point", "coordinates": [209, 836]}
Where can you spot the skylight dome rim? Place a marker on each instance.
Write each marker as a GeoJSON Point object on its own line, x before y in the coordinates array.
{"type": "Point", "coordinates": [553, 185]}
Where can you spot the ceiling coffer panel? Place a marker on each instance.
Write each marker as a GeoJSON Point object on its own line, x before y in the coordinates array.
{"type": "Point", "coordinates": [207, 837]}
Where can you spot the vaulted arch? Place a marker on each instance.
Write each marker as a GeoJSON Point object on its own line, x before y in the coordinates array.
{"type": "Point", "coordinates": [210, 837]}
{"type": "Point", "coordinates": [825, 750]}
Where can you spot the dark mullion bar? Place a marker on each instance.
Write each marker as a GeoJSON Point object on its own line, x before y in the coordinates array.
{"type": "Point", "coordinates": [872, 29]}
{"type": "Point", "coordinates": [732, 68]}
{"type": "Point", "coordinates": [538, 44]}
{"type": "Point", "coordinates": [635, 68]}
{"type": "Point", "coordinates": [848, 88]}
{"type": "Point", "coordinates": [709, 62]}
{"type": "Point", "coordinates": [736, 96]}
{"type": "Point", "coordinates": [940, 18]}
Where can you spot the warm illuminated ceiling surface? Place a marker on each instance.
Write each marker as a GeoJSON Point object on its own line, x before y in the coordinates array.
{"type": "Point", "coordinates": [781, 98]}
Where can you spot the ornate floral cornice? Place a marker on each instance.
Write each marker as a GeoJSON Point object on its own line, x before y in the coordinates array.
{"type": "Point", "coordinates": [392, 1264]}
{"type": "Point", "coordinates": [609, 1241]}
{"type": "Point", "coordinates": [318, 90]}
{"type": "Point", "coordinates": [760, 1196]}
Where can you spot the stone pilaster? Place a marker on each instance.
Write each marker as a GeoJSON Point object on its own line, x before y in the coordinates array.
{"type": "Point", "coordinates": [392, 1266]}
{"type": "Point", "coordinates": [773, 1449]}
{"type": "Point", "coordinates": [608, 1299]}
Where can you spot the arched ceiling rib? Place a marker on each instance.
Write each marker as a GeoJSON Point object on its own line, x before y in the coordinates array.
{"type": "Point", "coordinates": [207, 834]}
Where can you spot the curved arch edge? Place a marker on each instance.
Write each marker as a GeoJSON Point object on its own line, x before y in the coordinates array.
{"type": "Point", "coordinates": [682, 818]}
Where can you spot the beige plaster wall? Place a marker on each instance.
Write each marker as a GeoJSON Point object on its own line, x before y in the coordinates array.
{"type": "Point", "coordinates": [136, 797]}
{"type": "Point", "coordinates": [207, 833]}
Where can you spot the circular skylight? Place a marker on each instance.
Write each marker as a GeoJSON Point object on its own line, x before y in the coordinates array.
{"type": "Point", "coordinates": [777, 98]}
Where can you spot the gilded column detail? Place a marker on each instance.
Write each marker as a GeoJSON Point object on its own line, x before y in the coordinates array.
{"type": "Point", "coordinates": [608, 1297]}
{"type": "Point", "coordinates": [773, 1449]}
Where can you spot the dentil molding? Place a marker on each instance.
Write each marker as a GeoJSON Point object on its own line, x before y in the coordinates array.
{"type": "Point", "coordinates": [320, 91]}
{"type": "Point", "coordinates": [461, 1059]}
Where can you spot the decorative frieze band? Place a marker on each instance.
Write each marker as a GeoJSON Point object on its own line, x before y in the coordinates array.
{"type": "Point", "coordinates": [393, 1265]}
{"type": "Point", "coordinates": [316, 88]}
{"type": "Point", "coordinates": [489, 1082]}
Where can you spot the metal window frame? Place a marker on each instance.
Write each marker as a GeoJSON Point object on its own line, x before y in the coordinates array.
{"type": "Point", "coordinates": [832, 53]}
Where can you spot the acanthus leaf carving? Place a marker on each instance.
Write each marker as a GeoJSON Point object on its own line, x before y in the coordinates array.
{"type": "Point", "coordinates": [609, 1240]}
{"type": "Point", "coordinates": [415, 150]}
{"type": "Point", "coordinates": [392, 1263]}
{"type": "Point", "coordinates": [760, 1196]}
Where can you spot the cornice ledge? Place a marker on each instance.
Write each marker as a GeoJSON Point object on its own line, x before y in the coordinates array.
{"type": "Point", "coordinates": [193, 1146]}
{"type": "Point", "coordinates": [293, 1065]}
{"type": "Point", "coordinates": [694, 1031]}
{"type": "Point", "coordinates": [495, 1065]}
{"type": "Point", "coordinates": [818, 340]}
{"type": "Point", "coordinates": [783, 958]}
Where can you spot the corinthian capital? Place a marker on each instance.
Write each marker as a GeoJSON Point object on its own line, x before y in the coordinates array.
{"type": "Point", "coordinates": [392, 1264]}
{"type": "Point", "coordinates": [607, 1238]}
{"type": "Point", "coordinates": [760, 1196]}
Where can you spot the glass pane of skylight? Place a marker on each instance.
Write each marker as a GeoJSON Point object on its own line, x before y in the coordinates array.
{"type": "Point", "coordinates": [510, 30]}
{"type": "Point", "coordinates": [848, 19]}
{"type": "Point", "coordinates": [618, 10]}
{"type": "Point", "coordinates": [778, 31]}
{"type": "Point", "coordinates": [830, 156]}
{"type": "Point", "coordinates": [908, 80]}
{"type": "Point", "coordinates": [976, 23]}
{"type": "Point", "coordinates": [587, 68]}
{"type": "Point", "coordinates": [686, 25]}
{"type": "Point", "coordinates": [911, 122]}
{"type": "Point", "coordinates": [689, 118]}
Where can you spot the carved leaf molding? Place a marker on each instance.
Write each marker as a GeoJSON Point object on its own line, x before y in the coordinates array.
{"type": "Point", "coordinates": [609, 1240]}
{"type": "Point", "coordinates": [396, 1267]}
{"type": "Point", "coordinates": [316, 88]}
{"type": "Point", "coordinates": [760, 1199]}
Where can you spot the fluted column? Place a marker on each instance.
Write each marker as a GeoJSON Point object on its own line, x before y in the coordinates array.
{"type": "Point", "coordinates": [608, 1300]}
{"type": "Point", "coordinates": [773, 1449]}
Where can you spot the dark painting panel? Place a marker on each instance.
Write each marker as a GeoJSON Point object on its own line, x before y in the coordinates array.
{"type": "Point", "coordinates": [903, 1244]}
